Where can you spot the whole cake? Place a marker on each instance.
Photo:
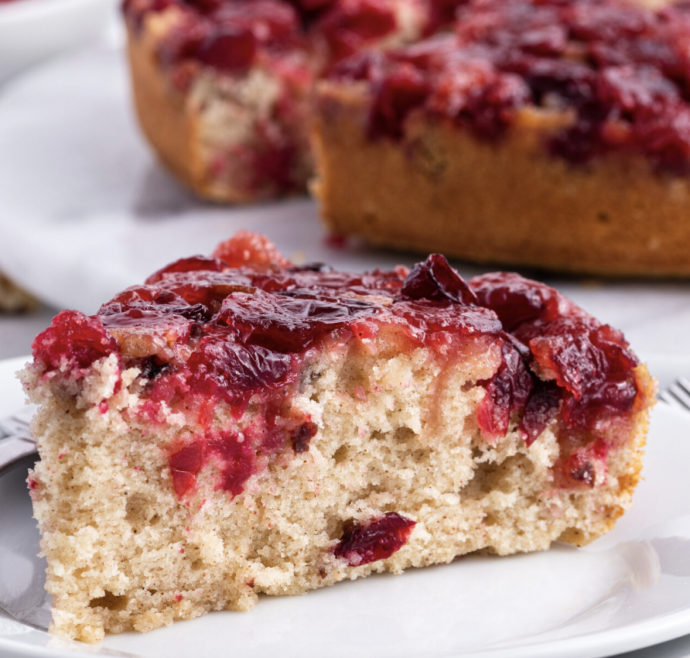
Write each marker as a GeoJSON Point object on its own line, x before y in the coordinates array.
{"type": "Point", "coordinates": [240, 425]}
{"type": "Point", "coordinates": [544, 133]}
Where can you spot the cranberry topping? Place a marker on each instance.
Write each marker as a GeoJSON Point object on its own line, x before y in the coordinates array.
{"type": "Point", "coordinates": [591, 363]}
{"type": "Point", "coordinates": [228, 49]}
{"type": "Point", "coordinates": [222, 34]}
{"type": "Point", "coordinates": [233, 372]}
{"type": "Point", "coordinates": [72, 341]}
{"type": "Point", "coordinates": [620, 70]}
{"type": "Point", "coordinates": [506, 394]}
{"type": "Point", "coordinates": [374, 540]}
{"type": "Point", "coordinates": [252, 250]}
{"type": "Point", "coordinates": [350, 24]}
{"type": "Point", "coordinates": [202, 332]}
{"type": "Point", "coordinates": [436, 280]}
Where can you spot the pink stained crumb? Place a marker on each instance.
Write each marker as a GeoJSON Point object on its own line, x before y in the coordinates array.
{"type": "Point", "coordinates": [359, 393]}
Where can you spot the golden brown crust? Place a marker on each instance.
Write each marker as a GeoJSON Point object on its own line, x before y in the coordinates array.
{"type": "Point", "coordinates": [510, 202]}
{"type": "Point", "coordinates": [161, 110]}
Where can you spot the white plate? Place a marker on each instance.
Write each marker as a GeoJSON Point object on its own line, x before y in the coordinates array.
{"type": "Point", "coordinates": [86, 210]}
{"type": "Point", "coordinates": [31, 30]}
{"type": "Point", "coordinates": [628, 590]}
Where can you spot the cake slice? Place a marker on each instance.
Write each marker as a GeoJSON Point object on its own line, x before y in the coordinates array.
{"type": "Point", "coordinates": [239, 425]}
{"type": "Point", "coordinates": [540, 133]}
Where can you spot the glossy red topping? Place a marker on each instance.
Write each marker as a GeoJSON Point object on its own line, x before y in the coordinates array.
{"type": "Point", "coordinates": [73, 341]}
{"type": "Point", "coordinates": [202, 333]}
{"type": "Point", "coordinates": [234, 29]}
{"type": "Point", "coordinates": [620, 69]}
{"type": "Point", "coordinates": [374, 540]}
{"type": "Point", "coordinates": [351, 24]}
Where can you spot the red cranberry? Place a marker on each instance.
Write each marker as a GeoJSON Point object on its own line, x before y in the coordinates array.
{"type": "Point", "coordinates": [506, 393]}
{"type": "Point", "coordinates": [352, 23]}
{"type": "Point", "coordinates": [303, 435]}
{"type": "Point", "coordinates": [436, 280]}
{"type": "Point", "coordinates": [193, 264]}
{"type": "Point", "coordinates": [403, 89]}
{"type": "Point", "coordinates": [374, 540]}
{"type": "Point", "coordinates": [233, 372]}
{"type": "Point", "coordinates": [252, 250]}
{"type": "Point", "coordinates": [541, 408]}
{"type": "Point", "coordinates": [184, 466]}
{"type": "Point", "coordinates": [73, 340]}
{"type": "Point", "coordinates": [228, 49]}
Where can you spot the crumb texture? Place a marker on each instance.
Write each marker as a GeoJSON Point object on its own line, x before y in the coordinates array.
{"type": "Point", "coordinates": [395, 434]}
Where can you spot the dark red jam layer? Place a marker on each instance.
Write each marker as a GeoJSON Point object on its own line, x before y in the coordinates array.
{"type": "Point", "coordinates": [621, 70]}
{"type": "Point", "coordinates": [239, 329]}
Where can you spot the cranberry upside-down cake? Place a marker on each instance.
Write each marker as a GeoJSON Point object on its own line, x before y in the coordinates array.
{"type": "Point", "coordinates": [545, 133]}
{"type": "Point", "coordinates": [240, 425]}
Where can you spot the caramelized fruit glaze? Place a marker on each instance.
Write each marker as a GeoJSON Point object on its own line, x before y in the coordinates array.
{"type": "Point", "coordinates": [617, 73]}
{"type": "Point", "coordinates": [239, 330]}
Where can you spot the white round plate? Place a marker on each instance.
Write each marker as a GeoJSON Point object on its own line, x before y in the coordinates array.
{"type": "Point", "coordinates": [627, 590]}
{"type": "Point", "coordinates": [86, 209]}
{"type": "Point", "coordinates": [31, 30]}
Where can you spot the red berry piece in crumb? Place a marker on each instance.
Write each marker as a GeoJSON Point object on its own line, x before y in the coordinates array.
{"type": "Point", "coordinates": [249, 249]}
{"type": "Point", "coordinates": [374, 540]}
{"type": "Point", "coordinates": [303, 435]}
{"type": "Point", "coordinates": [506, 393]}
{"type": "Point", "coordinates": [184, 466]}
{"type": "Point", "coordinates": [238, 461]}
{"type": "Point", "coordinates": [228, 49]}
{"type": "Point", "coordinates": [541, 408]}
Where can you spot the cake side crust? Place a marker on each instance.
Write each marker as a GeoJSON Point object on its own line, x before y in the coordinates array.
{"type": "Point", "coordinates": [161, 109]}
{"type": "Point", "coordinates": [441, 189]}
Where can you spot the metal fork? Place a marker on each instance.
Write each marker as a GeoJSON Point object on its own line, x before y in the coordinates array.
{"type": "Point", "coordinates": [677, 395]}
{"type": "Point", "coordinates": [15, 436]}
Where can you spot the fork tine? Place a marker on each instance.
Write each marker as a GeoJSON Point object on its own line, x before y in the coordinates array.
{"type": "Point", "coordinates": [682, 396]}
{"type": "Point", "coordinates": [684, 384]}
{"type": "Point", "coordinates": [667, 398]}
